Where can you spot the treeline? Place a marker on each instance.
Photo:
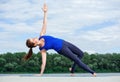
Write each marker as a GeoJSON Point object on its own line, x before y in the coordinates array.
{"type": "Point", "coordinates": [12, 63]}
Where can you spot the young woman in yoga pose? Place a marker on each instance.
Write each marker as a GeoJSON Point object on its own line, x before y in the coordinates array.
{"type": "Point", "coordinates": [61, 46]}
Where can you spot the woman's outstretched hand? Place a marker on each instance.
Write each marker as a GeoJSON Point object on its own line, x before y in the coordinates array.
{"type": "Point", "coordinates": [38, 75]}
{"type": "Point", "coordinates": [45, 8]}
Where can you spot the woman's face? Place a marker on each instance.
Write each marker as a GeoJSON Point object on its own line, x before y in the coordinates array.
{"type": "Point", "coordinates": [34, 40]}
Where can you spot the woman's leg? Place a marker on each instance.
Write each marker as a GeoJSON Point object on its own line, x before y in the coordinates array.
{"type": "Point", "coordinates": [68, 53]}
{"type": "Point", "coordinates": [77, 52]}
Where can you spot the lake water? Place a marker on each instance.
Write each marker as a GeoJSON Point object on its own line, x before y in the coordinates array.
{"type": "Point", "coordinates": [64, 75]}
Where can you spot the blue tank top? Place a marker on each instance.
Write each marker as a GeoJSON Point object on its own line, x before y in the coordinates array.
{"type": "Point", "coordinates": [51, 43]}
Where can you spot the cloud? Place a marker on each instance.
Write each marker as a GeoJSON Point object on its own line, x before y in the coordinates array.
{"type": "Point", "coordinates": [20, 10]}
{"type": "Point", "coordinates": [88, 24]}
{"type": "Point", "coordinates": [107, 34]}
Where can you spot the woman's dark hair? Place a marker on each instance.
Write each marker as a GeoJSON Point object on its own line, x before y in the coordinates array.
{"type": "Point", "coordinates": [30, 45]}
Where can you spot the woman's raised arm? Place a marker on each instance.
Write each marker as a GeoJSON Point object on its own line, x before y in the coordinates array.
{"type": "Point", "coordinates": [43, 30]}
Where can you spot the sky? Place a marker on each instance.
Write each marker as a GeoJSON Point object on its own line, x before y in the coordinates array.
{"type": "Point", "coordinates": [91, 25]}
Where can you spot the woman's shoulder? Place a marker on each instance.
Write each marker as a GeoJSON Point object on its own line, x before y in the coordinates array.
{"type": "Point", "coordinates": [43, 36]}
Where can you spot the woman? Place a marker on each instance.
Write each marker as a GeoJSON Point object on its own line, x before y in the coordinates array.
{"type": "Point", "coordinates": [61, 46]}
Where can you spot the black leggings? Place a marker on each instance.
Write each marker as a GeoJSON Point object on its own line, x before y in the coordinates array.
{"type": "Point", "coordinates": [75, 54]}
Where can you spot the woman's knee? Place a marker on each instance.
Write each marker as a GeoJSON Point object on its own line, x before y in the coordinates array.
{"type": "Point", "coordinates": [80, 55]}
{"type": "Point", "coordinates": [76, 60]}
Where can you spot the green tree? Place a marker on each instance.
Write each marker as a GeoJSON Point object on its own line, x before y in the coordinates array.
{"type": "Point", "coordinates": [2, 63]}
{"type": "Point", "coordinates": [9, 67]}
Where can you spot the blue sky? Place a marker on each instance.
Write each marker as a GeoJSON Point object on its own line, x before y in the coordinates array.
{"type": "Point", "coordinates": [92, 25]}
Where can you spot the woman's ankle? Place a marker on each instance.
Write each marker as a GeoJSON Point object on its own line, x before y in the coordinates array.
{"type": "Point", "coordinates": [94, 74]}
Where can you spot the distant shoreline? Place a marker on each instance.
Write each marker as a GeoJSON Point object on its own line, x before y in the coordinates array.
{"type": "Point", "coordinates": [63, 74]}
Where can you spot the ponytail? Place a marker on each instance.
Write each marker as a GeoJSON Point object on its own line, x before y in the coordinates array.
{"type": "Point", "coordinates": [27, 56]}
{"type": "Point", "coordinates": [30, 45]}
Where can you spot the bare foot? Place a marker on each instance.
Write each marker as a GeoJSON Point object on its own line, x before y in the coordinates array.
{"type": "Point", "coordinates": [94, 74]}
{"type": "Point", "coordinates": [72, 74]}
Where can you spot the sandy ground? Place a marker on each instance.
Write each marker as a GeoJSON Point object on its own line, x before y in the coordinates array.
{"type": "Point", "coordinates": [58, 78]}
